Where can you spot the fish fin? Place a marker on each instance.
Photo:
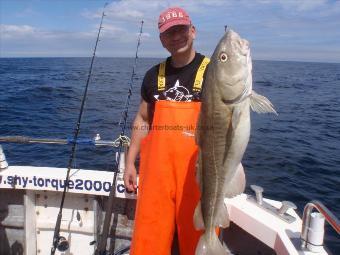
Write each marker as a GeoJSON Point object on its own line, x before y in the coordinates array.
{"type": "Point", "coordinates": [199, 169]}
{"type": "Point", "coordinates": [235, 117]}
{"type": "Point", "coordinates": [237, 184]}
{"type": "Point", "coordinates": [213, 246]}
{"type": "Point", "coordinates": [197, 173]}
{"type": "Point", "coordinates": [261, 104]}
{"type": "Point", "coordinates": [222, 219]}
{"type": "Point", "coordinates": [198, 217]}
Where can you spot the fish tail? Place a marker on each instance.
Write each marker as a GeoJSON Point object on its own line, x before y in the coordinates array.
{"type": "Point", "coordinates": [210, 244]}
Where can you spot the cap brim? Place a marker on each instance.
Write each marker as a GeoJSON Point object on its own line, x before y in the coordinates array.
{"type": "Point", "coordinates": [172, 24]}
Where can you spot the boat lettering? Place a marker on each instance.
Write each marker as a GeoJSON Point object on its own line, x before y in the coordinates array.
{"type": "Point", "coordinates": [17, 180]}
{"type": "Point", "coordinates": [57, 184]}
{"type": "Point", "coordinates": [121, 189]}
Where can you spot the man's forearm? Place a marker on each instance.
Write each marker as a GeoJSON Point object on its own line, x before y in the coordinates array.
{"type": "Point", "coordinates": [140, 129]}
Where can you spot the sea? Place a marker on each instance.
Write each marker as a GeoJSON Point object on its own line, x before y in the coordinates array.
{"type": "Point", "coordinates": [294, 156]}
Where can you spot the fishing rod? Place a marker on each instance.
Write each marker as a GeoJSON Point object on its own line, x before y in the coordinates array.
{"type": "Point", "coordinates": [101, 248]}
{"type": "Point", "coordinates": [123, 119]}
{"type": "Point", "coordinates": [60, 242]}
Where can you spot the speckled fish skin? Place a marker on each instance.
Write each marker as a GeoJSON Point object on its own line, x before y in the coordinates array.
{"type": "Point", "coordinates": [222, 135]}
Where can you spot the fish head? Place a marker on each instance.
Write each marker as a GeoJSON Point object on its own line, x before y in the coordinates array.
{"type": "Point", "coordinates": [231, 63]}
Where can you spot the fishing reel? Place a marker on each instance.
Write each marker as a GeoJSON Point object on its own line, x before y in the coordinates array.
{"type": "Point", "coordinates": [63, 244]}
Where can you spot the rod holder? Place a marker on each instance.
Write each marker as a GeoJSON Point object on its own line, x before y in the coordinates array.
{"type": "Point", "coordinates": [316, 231]}
{"type": "Point", "coordinates": [307, 225]}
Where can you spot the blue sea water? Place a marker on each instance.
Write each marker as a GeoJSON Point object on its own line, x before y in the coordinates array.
{"type": "Point", "coordinates": [293, 156]}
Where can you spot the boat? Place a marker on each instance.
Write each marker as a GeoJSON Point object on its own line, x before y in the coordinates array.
{"type": "Point", "coordinates": [98, 212]}
{"type": "Point", "coordinates": [30, 198]}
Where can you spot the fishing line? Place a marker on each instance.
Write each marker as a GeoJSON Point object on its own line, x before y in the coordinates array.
{"type": "Point", "coordinates": [59, 241]}
{"type": "Point", "coordinates": [123, 142]}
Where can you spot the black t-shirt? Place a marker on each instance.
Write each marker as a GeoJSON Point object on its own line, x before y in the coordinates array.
{"type": "Point", "coordinates": [178, 82]}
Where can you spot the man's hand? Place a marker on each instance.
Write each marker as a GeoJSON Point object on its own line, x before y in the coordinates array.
{"type": "Point", "coordinates": [130, 177]}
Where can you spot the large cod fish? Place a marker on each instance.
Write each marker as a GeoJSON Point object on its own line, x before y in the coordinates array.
{"type": "Point", "coordinates": [222, 135]}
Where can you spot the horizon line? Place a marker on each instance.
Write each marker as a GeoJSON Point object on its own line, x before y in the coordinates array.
{"type": "Point", "coordinates": [274, 60]}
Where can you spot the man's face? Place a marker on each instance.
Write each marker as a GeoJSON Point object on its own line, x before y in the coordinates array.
{"type": "Point", "coordinates": [178, 39]}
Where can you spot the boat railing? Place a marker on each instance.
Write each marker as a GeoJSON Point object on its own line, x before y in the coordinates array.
{"type": "Point", "coordinates": [306, 219]}
{"type": "Point", "coordinates": [96, 141]}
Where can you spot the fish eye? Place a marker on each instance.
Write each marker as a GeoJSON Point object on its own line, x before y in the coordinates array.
{"type": "Point", "coordinates": [223, 57]}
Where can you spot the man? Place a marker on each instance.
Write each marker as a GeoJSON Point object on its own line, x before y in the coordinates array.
{"type": "Point", "coordinates": [167, 192]}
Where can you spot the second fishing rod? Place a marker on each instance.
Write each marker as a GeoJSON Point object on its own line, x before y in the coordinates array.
{"type": "Point", "coordinates": [60, 242]}
{"type": "Point", "coordinates": [102, 242]}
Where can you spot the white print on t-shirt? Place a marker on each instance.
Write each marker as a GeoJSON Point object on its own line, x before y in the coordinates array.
{"type": "Point", "coordinates": [177, 93]}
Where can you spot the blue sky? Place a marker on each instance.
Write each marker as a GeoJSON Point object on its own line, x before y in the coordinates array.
{"type": "Point", "coordinates": [299, 30]}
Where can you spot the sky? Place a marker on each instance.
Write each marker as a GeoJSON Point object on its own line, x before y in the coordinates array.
{"type": "Point", "coordinates": [292, 30]}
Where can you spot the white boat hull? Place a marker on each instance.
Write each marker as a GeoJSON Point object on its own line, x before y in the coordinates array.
{"type": "Point", "coordinates": [30, 199]}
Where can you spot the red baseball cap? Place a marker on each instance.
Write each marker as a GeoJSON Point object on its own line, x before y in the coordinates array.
{"type": "Point", "coordinates": [173, 16]}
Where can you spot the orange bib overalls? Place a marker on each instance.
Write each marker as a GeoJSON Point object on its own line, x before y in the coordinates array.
{"type": "Point", "coordinates": [168, 192]}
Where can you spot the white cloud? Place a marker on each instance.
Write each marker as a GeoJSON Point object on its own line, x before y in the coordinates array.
{"type": "Point", "coordinates": [311, 7]}
{"type": "Point", "coordinates": [9, 31]}
{"type": "Point", "coordinates": [13, 32]}
{"type": "Point", "coordinates": [128, 10]}
{"type": "Point", "coordinates": [308, 8]}
{"type": "Point", "coordinates": [303, 5]}
{"type": "Point", "coordinates": [135, 10]}
{"type": "Point", "coordinates": [110, 29]}
{"type": "Point", "coordinates": [266, 23]}
{"type": "Point", "coordinates": [30, 41]}
{"type": "Point", "coordinates": [89, 14]}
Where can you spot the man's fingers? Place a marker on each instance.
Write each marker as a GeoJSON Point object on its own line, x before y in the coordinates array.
{"type": "Point", "coordinates": [130, 188]}
{"type": "Point", "coordinates": [135, 183]}
{"type": "Point", "coordinates": [129, 182]}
